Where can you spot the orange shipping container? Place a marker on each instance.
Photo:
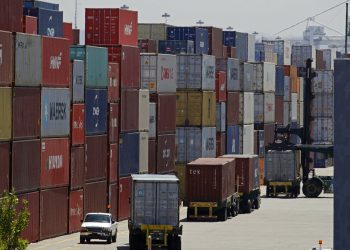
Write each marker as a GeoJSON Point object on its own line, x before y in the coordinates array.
{"type": "Point", "coordinates": [76, 210]}
{"type": "Point", "coordinates": [292, 72]}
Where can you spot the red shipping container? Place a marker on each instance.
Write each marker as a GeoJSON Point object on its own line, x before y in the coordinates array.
{"type": "Point", "coordinates": [76, 210]}
{"type": "Point", "coordinates": [166, 112]}
{"type": "Point", "coordinates": [53, 212]}
{"type": "Point", "coordinates": [31, 232]}
{"type": "Point", "coordinates": [113, 200]}
{"type": "Point", "coordinates": [11, 15]}
{"type": "Point", "coordinates": [113, 128]}
{"type": "Point", "coordinates": [68, 32]}
{"type": "Point", "coordinates": [147, 46]}
{"type": "Point", "coordinates": [54, 162]}
{"type": "Point", "coordinates": [127, 57]}
{"type": "Point", "coordinates": [124, 198]}
{"type": "Point", "coordinates": [55, 52]}
{"type": "Point", "coordinates": [95, 197]}
{"type": "Point", "coordinates": [215, 36]}
{"type": "Point", "coordinates": [231, 52]}
{"type": "Point", "coordinates": [26, 166]}
{"type": "Point", "coordinates": [78, 124]}
{"type": "Point", "coordinates": [232, 108]}
{"type": "Point", "coordinates": [111, 27]}
{"type": "Point", "coordinates": [165, 154]}
{"type": "Point", "coordinates": [76, 36]}
{"type": "Point", "coordinates": [224, 51]}
{"type": "Point", "coordinates": [152, 156]}
{"type": "Point", "coordinates": [7, 58]}
{"type": "Point", "coordinates": [26, 124]}
{"type": "Point", "coordinates": [113, 86]}
{"type": "Point", "coordinates": [30, 25]}
{"type": "Point", "coordinates": [220, 144]}
{"type": "Point", "coordinates": [129, 119]}
{"type": "Point", "coordinates": [77, 167]}
{"type": "Point", "coordinates": [113, 163]}
{"type": "Point", "coordinates": [96, 158]}
{"type": "Point", "coordinates": [269, 133]}
{"type": "Point", "coordinates": [5, 154]}
{"type": "Point", "coordinates": [221, 86]}
{"type": "Point", "coordinates": [279, 109]}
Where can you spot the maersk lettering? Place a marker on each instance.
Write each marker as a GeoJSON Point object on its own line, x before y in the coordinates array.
{"type": "Point", "coordinates": [55, 162]}
{"type": "Point", "coordinates": [58, 111]}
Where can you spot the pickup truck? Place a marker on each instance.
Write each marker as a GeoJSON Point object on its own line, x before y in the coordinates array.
{"type": "Point", "coordinates": [99, 226]}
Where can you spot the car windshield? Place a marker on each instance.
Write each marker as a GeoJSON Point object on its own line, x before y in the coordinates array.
{"type": "Point", "coordinates": [102, 218]}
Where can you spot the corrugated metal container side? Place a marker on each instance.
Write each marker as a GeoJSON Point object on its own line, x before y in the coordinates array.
{"type": "Point", "coordinates": [113, 193]}
{"type": "Point", "coordinates": [165, 153]}
{"type": "Point", "coordinates": [77, 168]}
{"type": "Point", "coordinates": [215, 41]}
{"type": "Point", "coordinates": [221, 95]}
{"type": "Point", "coordinates": [176, 47]}
{"type": "Point", "coordinates": [287, 95]}
{"type": "Point", "coordinates": [256, 142]}
{"type": "Point", "coordinates": [129, 154]}
{"type": "Point", "coordinates": [96, 111]}
{"type": "Point", "coordinates": [68, 32]}
{"type": "Point", "coordinates": [96, 158]}
{"type": "Point", "coordinates": [300, 53]}
{"type": "Point", "coordinates": [147, 45]}
{"type": "Point", "coordinates": [236, 82]}
{"type": "Point", "coordinates": [258, 108]}
{"type": "Point", "coordinates": [231, 52]}
{"type": "Point", "coordinates": [129, 118]}
{"type": "Point", "coordinates": [210, 180]}
{"type": "Point", "coordinates": [281, 166]}
{"type": "Point", "coordinates": [152, 156]}
{"type": "Point", "coordinates": [200, 143]}
{"type": "Point", "coordinates": [114, 83]}
{"type": "Point", "coordinates": [55, 62]}
{"type": "Point", "coordinates": [152, 120]}
{"type": "Point", "coordinates": [50, 22]}
{"type": "Point", "coordinates": [301, 113]}
{"type": "Point", "coordinates": [251, 48]}
{"type": "Point", "coordinates": [279, 109]}
{"type": "Point", "coordinates": [220, 144]}
{"type": "Point", "coordinates": [5, 159]}
{"type": "Point", "coordinates": [250, 83]}
{"type": "Point", "coordinates": [96, 64]}
{"type": "Point", "coordinates": [261, 171]}
{"type": "Point", "coordinates": [201, 108]}
{"type": "Point", "coordinates": [124, 197]}
{"type": "Point", "coordinates": [11, 15]}
{"type": "Point", "coordinates": [144, 110]}
{"type": "Point", "coordinates": [322, 130]}
{"type": "Point", "coordinates": [248, 139]}
{"type": "Point", "coordinates": [76, 210]}
{"type": "Point", "coordinates": [55, 112]}
{"type": "Point", "coordinates": [78, 80]}
{"type": "Point", "coordinates": [155, 31]}
{"type": "Point", "coordinates": [166, 112]}
{"type": "Point", "coordinates": [95, 197]}
{"type": "Point", "coordinates": [78, 124]}
{"type": "Point", "coordinates": [286, 113]}
{"type": "Point", "coordinates": [31, 232]}
{"type": "Point", "coordinates": [127, 57]}
{"type": "Point", "coordinates": [53, 211]}
{"type": "Point", "coordinates": [181, 108]}
{"type": "Point", "coordinates": [113, 128]}
{"type": "Point", "coordinates": [26, 165]}
{"type": "Point", "coordinates": [221, 117]}
{"type": "Point", "coordinates": [269, 133]}
{"type": "Point", "coordinates": [28, 60]}
{"type": "Point", "coordinates": [234, 108]}
{"type": "Point", "coordinates": [269, 76]}
{"type": "Point", "coordinates": [180, 145]}
{"type": "Point", "coordinates": [301, 89]}
{"type": "Point", "coordinates": [40, 4]}
{"type": "Point", "coordinates": [143, 152]}
{"type": "Point", "coordinates": [279, 87]}
{"type": "Point", "coordinates": [322, 105]}
{"type": "Point", "coordinates": [261, 142]}
{"type": "Point", "coordinates": [76, 36]}
{"type": "Point", "coordinates": [54, 163]}
{"type": "Point", "coordinates": [269, 108]}
{"type": "Point", "coordinates": [294, 107]}
{"type": "Point", "coordinates": [7, 50]}
{"type": "Point", "coordinates": [320, 63]}
{"type": "Point", "coordinates": [5, 114]}
{"type": "Point", "coordinates": [234, 139]}
{"type": "Point", "coordinates": [248, 106]}
{"type": "Point", "coordinates": [180, 172]}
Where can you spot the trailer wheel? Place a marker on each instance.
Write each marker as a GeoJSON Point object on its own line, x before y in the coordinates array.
{"type": "Point", "coordinates": [257, 203]}
{"type": "Point", "coordinates": [82, 240]}
{"type": "Point", "coordinates": [189, 212]}
{"type": "Point", "coordinates": [267, 191]}
{"type": "Point", "coordinates": [222, 214]}
{"type": "Point", "coordinates": [312, 188]}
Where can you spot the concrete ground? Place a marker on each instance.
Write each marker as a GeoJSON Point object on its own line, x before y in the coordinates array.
{"type": "Point", "coordinates": [280, 223]}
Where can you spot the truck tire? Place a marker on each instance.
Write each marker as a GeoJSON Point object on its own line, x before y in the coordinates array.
{"type": "Point", "coordinates": [82, 240]}
{"type": "Point", "coordinates": [178, 243]}
{"type": "Point", "coordinates": [114, 238]}
{"type": "Point", "coordinates": [257, 203]}
{"type": "Point", "coordinates": [312, 188]}
{"type": "Point", "coordinates": [267, 191]}
{"type": "Point", "coordinates": [222, 214]}
{"type": "Point", "coordinates": [189, 212]}
{"type": "Point", "coordinates": [174, 242]}
{"type": "Point", "coordinates": [109, 240]}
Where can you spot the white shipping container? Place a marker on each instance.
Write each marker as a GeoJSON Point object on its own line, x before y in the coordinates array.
{"type": "Point", "coordinates": [235, 79]}
{"type": "Point", "coordinates": [328, 56]}
{"type": "Point", "coordinates": [323, 82]}
{"type": "Point", "coordinates": [286, 113]}
{"type": "Point", "coordinates": [143, 110]}
{"type": "Point", "coordinates": [269, 108]}
{"type": "Point", "coordinates": [287, 89]}
{"type": "Point", "coordinates": [143, 152]}
{"type": "Point", "coordinates": [251, 48]}
{"type": "Point", "coordinates": [248, 139]}
{"type": "Point", "coordinates": [294, 107]}
{"type": "Point", "coordinates": [258, 108]}
{"type": "Point", "coordinates": [287, 53]}
{"type": "Point", "coordinates": [248, 108]}
{"type": "Point", "coordinates": [208, 72]}
{"type": "Point", "coordinates": [301, 89]}
{"type": "Point", "coordinates": [152, 120]}
{"type": "Point", "coordinates": [269, 84]}
{"type": "Point", "coordinates": [301, 113]}
{"type": "Point", "coordinates": [248, 72]}
{"type": "Point", "coordinates": [258, 77]}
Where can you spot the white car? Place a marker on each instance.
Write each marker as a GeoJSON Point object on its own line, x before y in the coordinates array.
{"type": "Point", "coordinates": [99, 226]}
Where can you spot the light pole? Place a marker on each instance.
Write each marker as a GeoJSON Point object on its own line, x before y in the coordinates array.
{"type": "Point", "coordinates": [200, 22]}
{"type": "Point", "coordinates": [124, 7]}
{"type": "Point", "coordinates": [229, 28]}
{"type": "Point", "coordinates": [166, 16]}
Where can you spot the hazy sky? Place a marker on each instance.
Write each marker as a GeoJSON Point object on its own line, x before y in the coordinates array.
{"type": "Point", "coordinates": [263, 16]}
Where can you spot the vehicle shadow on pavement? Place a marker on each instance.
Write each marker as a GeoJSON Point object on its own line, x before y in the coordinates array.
{"type": "Point", "coordinates": [123, 248]}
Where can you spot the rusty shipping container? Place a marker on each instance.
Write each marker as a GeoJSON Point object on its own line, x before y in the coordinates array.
{"type": "Point", "coordinates": [123, 198]}
{"type": "Point", "coordinates": [76, 210]}
{"type": "Point", "coordinates": [220, 144]}
{"type": "Point", "coordinates": [129, 117]}
{"type": "Point", "coordinates": [165, 153]}
{"type": "Point", "coordinates": [11, 15]}
{"type": "Point", "coordinates": [96, 158]}
{"type": "Point", "coordinates": [68, 32]}
{"type": "Point", "coordinates": [77, 167]}
{"type": "Point", "coordinates": [5, 159]}
{"type": "Point", "coordinates": [166, 112]}
{"type": "Point", "coordinates": [113, 193]}
{"type": "Point", "coordinates": [113, 123]}
{"type": "Point", "coordinates": [31, 233]}
{"type": "Point", "coordinates": [54, 162]}
{"type": "Point", "coordinates": [269, 133]}
{"type": "Point", "coordinates": [7, 60]}
{"type": "Point", "coordinates": [210, 180]}
{"type": "Point", "coordinates": [152, 156]}
{"type": "Point", "coordinates": [113, 162]}
{"type": "Point", "coordinates": [95, 197]}
{"type": "Point", "coordinates": [26, 165]}
{"type": "Point", "coordinates": [148, 45]}
{"type": "Point", "coordinates": [279, 108]}
{"type": "Point", "coordinates": [221, 86]}
{"type": "Point", "coordinates": [78, 124]}
{"type": "Point", "coordinates": [113, 84]}
{"type": "Point", "coordinates": [53, 212]}
{"type": "Point", "coordinates": [26, 124]}
{"type": "Point", "coordinates": [5, 114]}
{"type": "Point", "coordinates": [215, 41]}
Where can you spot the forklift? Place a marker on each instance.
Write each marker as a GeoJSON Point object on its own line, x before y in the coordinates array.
{"type": "Point", "coordinates": [312, 185]}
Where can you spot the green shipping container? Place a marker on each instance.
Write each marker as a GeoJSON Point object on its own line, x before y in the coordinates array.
{"type": "Point", "coordinates": [5, 114]}
{"type": "Point", "coordinates": [96, 64]}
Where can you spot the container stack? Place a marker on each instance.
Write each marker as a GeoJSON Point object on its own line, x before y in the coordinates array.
{"type": "Point", "coordinates": [265, 53]}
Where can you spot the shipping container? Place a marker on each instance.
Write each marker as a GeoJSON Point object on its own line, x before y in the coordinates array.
{"type": "Point", "coordinates": [76, 36]}
{"type": "Point", "coordinates": [287, 95]}
{"type": "Point", "coordinates": [113, 128]}
{"type": "Point", "coordinates": [264, 52]}
{"type": "Point", "coordinates": [269, 107]}
{"type": "Point", "coordinates": [143, 108]}
{"type": "Point", "coordinates": [301, 113]}
{"type": "Point", "coordinates": [294, 108]}
{"type": "Point", "coordinates": [95, 197]}
{"type": "Point", "coordinates": [111, 27]}
{"type": "Point", "coordinates": [28, 60]}
{"type": "Point", "coordinates": [300, 53]}
{"type": "Point", "coordinates": [5, 159]}
{"type": "Point", "coordinates": [282, 49]}
{"type": "Point", "coordinates": [286, 113]}
{"type": "Point", "coordinates": [176, 47]}
{"type": "Point", "coordinates": [78, 124]}
{"type": "Point", "coordinates": [95, 111]}
{"type": "Point", "coordinates": [248, 139]}
{"type": "Point", "coordinates": [248, 108]}
{"type": "Point", "coordinates": [114, 83]}
{"type": "Point", "coordinates": [279, 81]}
{"type": "Point", "coordinates": [231, 52]}
{"type": "Point", "coordinates": [261, 142]}
{"type": "Point", "coordinates": [53, 211]}
{"type": "Point", "coordinates": [5, 114]}
{"type": "Point", "coordinates": [68, 32]}
{"type": "Point", "coordinates": [11, 15]}
{"type": "Point", "coordinates": [279, 110]}
{"type": "Point", "coordinates": [165, 153]}
{"type": "Point", "coordinates": [210, 180]}
{"type": "Point", "coordinates": [261, 171]}
{"type": "Point", "coordinates": [96, 64]}
{"type": "Point", "coordinates": [240, 41]}
{"type": "Point", "coordinates": [54, 163]}
{"type": "Point", "coordinates": [96, 158]}
{"type": "Point", "coordinates": [55, 112]}
{"type": "Point", "coordinates": [180, 145]}
{"type": "Point", "coordinates": [152, 156]}
{"type": "Point", "coordinates": [301, 89]}
{"type": "Point", "coordinates": [77, 168]}
{"type": "Point", "coordinates": [269, 133]}
{"type": "Point", "coordinates": [322, 130]}
{"type": "Point", "coordinates": [50, 22]}
{"type": "Point", "coordinates": [322, 105]}
{"type": "Point", "coordinates": [220, 144]}
{"type": "Point", "coordinates": [124, 198]}
{"type": "Point", "coordinates": [31, 232]}
{"type": "Point", "coordinates": [166, 112]}
{"type": "Point", "coordinates": [215, 37]}
{"type": "Point", "coordinates": [158, 73]}
{"type": "Point", "coordinates": [129, 118]}
{"type": "Point", "coordinates": [221, 86]}
{"type": "Point", "coordinates": [181, 108]}
{"type": "Point", "coordinates": [200, 142]}
{"type": "Point", "coordinates": [7, 58]}
{"type": "Point", "coordinates": [329, 55]}
{"type": "Point", "coordinates": [40, 4]}
{"type": "Point", "coordinates": [281, 166]}
{"type": "Point", "coordinates": [234, 139]}
{"type": "Point", "coordinates": [196, 72]}
{"type": "Point", "coordinates": [127, 57]}
{"type": "Point", "coordinates": [148, 46]}
{"type": "Point", "coordinates": [201, 109]}
{"type": "Point", "coordinates": [152, 120]}
{"type": "Point", "coordinates": [155, 31]}
{"type": "Point", "coordinates": [143, 142]}
{"type": "Point", "coordinates": [113, 193]}
{"type": "Point", "coordinates": [180, 172]}
{"type": "Point", "coordinates": [76, 210]}
{"type": "Point", "coordinates": [78, 80]}
{"type": "Point", "coordinates": [233, 72]}
{"type": "Point", "coordinates": [250, 83]}
{"type": "Point", "coordinates": [259, 107]}
{"type": "Point", "coordinates": [233, 107]}
{"type": "Point", "coordinates": [221, 117]}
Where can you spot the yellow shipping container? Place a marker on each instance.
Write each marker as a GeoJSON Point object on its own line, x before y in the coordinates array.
{"type": "Point", "coordinates": [202, 109]}
{"type": "Point", "coordinates": [5, 113]}
{"type": "Point", "coordinates": [181, 108]}
{"type": "Point", "coordinates": [180, 171]}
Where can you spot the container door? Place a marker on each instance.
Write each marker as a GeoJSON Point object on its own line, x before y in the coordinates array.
{"type": "Point", "coordinates": [168, 204]}
{"type": "Point", "coordinates": [144, 203]}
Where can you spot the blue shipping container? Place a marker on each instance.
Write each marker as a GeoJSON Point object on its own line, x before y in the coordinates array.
{"type": "Point", "coordinates": [238, 40]}
{"type": "Point", "coordinates": [261, 142]}
{"type": "Point", "coordinates": [233, 139]}
{"type": "Point", "coordinates": [50, 22]}
{"type": "Point", "coordinates": [176, 47]}
{"type": "Point", "coordinates": [129, 156]}
{"type": "Point", "coordinates": [279, 80]}
{"type": "Point", "coordinates": [40, 4]}
{"type": "Point", "coordinates": [259, 52]}
{"type": "Point", "coordinates": [229, 38]}
{"type": "Point", "coordinates": [96, 111]}
{"type": "Point", "coordinates": [199, 36]}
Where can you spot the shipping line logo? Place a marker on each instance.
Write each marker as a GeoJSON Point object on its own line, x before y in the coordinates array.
{"type": "Point", "coordinates": [55, 162]}
{"type": "Point", "coordinates": [167, 73]}
{"type": "Point", "coordinates": [209, 72]}
{"type": "Point", "coordinates": [96, 111]}
{"type": "Point", "coordinates": [56, 111]}
{"type": "Point", "coordinates": [128, 29]}
{"type": "Point", "coordinates": [56, 61]}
